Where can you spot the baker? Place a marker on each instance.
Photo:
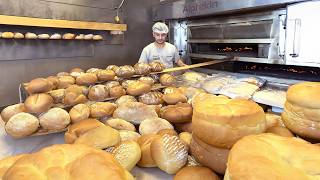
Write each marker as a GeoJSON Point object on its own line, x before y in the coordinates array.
{"type": "Point", "coordinates": [160, 50]}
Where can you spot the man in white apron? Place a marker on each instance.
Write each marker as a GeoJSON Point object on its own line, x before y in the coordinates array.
{"type": "Point", "coordinates": [160, 50]}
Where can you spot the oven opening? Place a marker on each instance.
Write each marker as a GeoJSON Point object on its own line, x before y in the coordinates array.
{"type": "Point", "coordinates": [236, 49]}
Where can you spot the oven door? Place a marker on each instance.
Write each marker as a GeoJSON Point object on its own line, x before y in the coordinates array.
{"type": "Point", "coordinates": [303, 37]}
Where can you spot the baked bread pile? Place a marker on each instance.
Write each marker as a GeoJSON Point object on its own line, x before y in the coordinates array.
{"type": "Point", "coordinates": [64, 162]}
{"type": "Point", "coordinates": [218, 123]}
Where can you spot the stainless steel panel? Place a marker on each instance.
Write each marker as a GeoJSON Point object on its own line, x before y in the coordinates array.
{"type": "Point", "coordinates": [303, 34]}
{"type": "Point", "coordinates": [193, 8]}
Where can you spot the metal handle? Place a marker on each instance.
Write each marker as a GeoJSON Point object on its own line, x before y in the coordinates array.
{"type": "Point", "coordinates": [282, 35]}
{"type": "Point", "coordinates": [296, 38]}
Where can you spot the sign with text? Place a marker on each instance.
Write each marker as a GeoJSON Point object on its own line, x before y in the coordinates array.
{"type": "Point", "coordinates": [197, 7]}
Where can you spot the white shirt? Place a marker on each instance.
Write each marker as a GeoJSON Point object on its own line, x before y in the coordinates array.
{"type": "Point", "coordinates": [168, 54]}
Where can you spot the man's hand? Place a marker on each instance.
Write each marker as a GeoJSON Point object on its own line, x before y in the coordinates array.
{"type": "Point", "coordinates": [181, 63]}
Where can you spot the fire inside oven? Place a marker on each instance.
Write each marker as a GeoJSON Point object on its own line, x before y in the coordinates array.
{"type": "Point", "coordinates": [241, 50]}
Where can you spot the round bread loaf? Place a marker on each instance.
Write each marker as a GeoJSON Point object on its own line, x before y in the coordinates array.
{"type": "Point", "coordinates": [79, 112]}
{"type": "Point", "coordinates": [112, 84]}
{"type": "Point", "coordinates": [170, 132]}
{"type": "Point", "coordinates": [38, 103]}
{"type": "Point", "coordinates": [144, 142]}
{"type": "Point", "coordinates": [179, 113]}
{"type": "Point", "coordinates": [153, 126]}
{"type": "Point", "coordinates": [18, 35]}
{"type": "Point", "coordinates": [106, 75]}
{"type": "Point", "coordinates": [120, 124]}
{"type": "Point", "coordinates": [142, 68]}
{"type": "Point", "coordinates": [55, 119]}
{"type": "Point", "coordinates": [174, 98]}
{"type": "Point", "coordinates": [73, 98]}
{"type": "Point", "coordinates": [169, 153]}
{"type": "Point", "coordinates": [190, 92]}
{"type": "Point", "coordinates": [63, 74]}
{"type": "Point", "coordinates": [169, 90]}
{"type": "Point", "coordinates": [293, 158]}
{"type": "Point", "coordinates": [78, 129]}
{"type": "Point", "coordinates": [156, 66]}
{"type": "Point", "coordinates": [57, 95]}
{"type": "Point", "coordinates": [167, 80]}
{"type": "Point", "coordinates": [93, 70]}
{"type": "Point", "coordinates": [135, 112]}
{"type": "Point", "coordinates": [151, 98]}
{"type": "Point", "coordinates": [78, 70]}
{"type": "Point", "coordinates": [127, 153]}
{"type": "Point", "coordinates": [125, 71]}
{"type": "Point", "coordinates": [7, 35]}
{"type": "Point", "coordinates": [102, 109]}
{"type": "Point", "coordinates": [65, 82]}
{"type": "Point", "coordinates": [227, 120]}
{"type": "Point", "coordinates": [147, 80]}
{"type": "Point", "coordinates": [21, 125]}
{"type": "Point", "coordinates": [67, 161]}
{"type": "Point", "coordinates": [138, 88]}
{"type": "Point", "coordinates": [98, 93]}
{"type": "Point", "coordinates": [117, 91]}
{"type": "Point", "coordinates": [125, 99]}
{"type": "Point", "coordinates": [39, 85]}
{"type": "Point", "coordinates": [301, 114]}
{"type": "Point", "coordinates": [281, 131]}
{"type": "Point", "coordinates": [112, 67]}
{"type": "Point", "coordinates": [126, 135]}
{"type": "Point", "coordinates": [195, 173]}
{"type": "Point", "coordinates": [101, 137]}
{"type": "Point", "coordinates": [54, 80]}
{"type": "Point", "coordinates": [78, 89]}
{"type": "Point", "coordinates": [12, 110]}
{"type": "Point", "coordinates": [76, 74]}
{"type": "Point", "coordinates": [125, 84]}
{"type": "Point", "coordinates": [86, 79]}
{"type": "Point", "coordinates": [210, 156]}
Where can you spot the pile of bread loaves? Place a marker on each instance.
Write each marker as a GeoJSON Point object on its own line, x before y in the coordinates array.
{"type": "Point", "coordinates": [181, 130]}
{"type": "Point", "coordinates": [55, 36]}
{"type": "Point", "coordinates": [45, 108]}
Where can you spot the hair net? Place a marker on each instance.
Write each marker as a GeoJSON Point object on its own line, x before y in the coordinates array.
{"type": "Point", "coordinates": [160, 27]}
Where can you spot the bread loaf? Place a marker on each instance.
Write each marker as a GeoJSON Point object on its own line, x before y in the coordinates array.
{"type": "Point", "coordinates": [153, 126]}
{"type": "Point", "coordinates": [79, 112]}
{"type": "Point", "coordinates": [86, 79]}
{"type": "Point", "coordinates": [38, 103]}
{"type": "Point", "coordinates": [106, 75]}
{"type": "Point", "coordinates": [101, 137]}
{"type": "Point", "coordinates": [78, 129]}
{"type": "Point", "coordinates": [167, 80]}
{"type": "Point", "coordinates": [125, 71]}
{"type": "Point", "coordinates": [55, 119]}
{"type": "Point", "coordinates": [18, 35]}
{"type": "Point", "coordinates": [54, 80]}
{"type": "Point", "coordinates": [144, 142]}
{"type": "Point", "coordinates": [102, 109]}
{"type": "Point", "coordinates": [127, 153]}
{"type": "Point", "coordinates": [126, 135]}
{"type": "Point", "coordinates": [169, 153]}
{"type": "Point", "coordinates": [117, 91]}
{"type": "Point", "coordinates": [125, 99]}
{"type": "Point", "coordinates": [147, 80]}
{"type": "Point", "coordinates": [179, 113]}
{"type": "Point", "coordinates": [68, 36]}
{"type": "Point", "coordinates": [58, 95]}
{"type": "Point", "coordinates": [156, 66]}
{"type": "Point", "coordinates": [43, 36]}
{"type": "Point", "coordinates": [7, 35]}
{"type": "Point", "coordinates": [151, 98]}
{"type": "Point", "coordinates": [120, 124]}
{"type": "Point", "coordinates": [12, 110]}
{"type": "Point", "coordinates": [112, 67]}
{"type": "Point", "coordinates": [170, 132]}
{"type": "Point", "coordinates": [97, 37]}
{"type": "Point", "coordinates": [65, 82]}
{"type": "Point", "coordinates": [39, 85]}
{"type": "Point", "coordinates": [138, 88]}
{"type": "Point", "coordinates": [66, 161]}
{"type": "Point", "coordinates": [30, 35]}
{"type": "Point", "coordinates": [174, 98]}
{"type": "Point", "coordinates": [98, 93]}
{"type": "Point", "coordinates": [142, 68]}
{"type": "Point", "coordinates": [55, 36]}
{"type": "Point", "coordinates": [21, 125]}
{"type": "Point", "coordinates": [135, 112]}
{"type": "Point", "coordinates": [73, 98]}
{"type": "Point", "coordinates": [78, 89]}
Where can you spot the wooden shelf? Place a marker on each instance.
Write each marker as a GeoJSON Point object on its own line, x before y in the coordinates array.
{"type": "Point", "coordinates": [55, 23]}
